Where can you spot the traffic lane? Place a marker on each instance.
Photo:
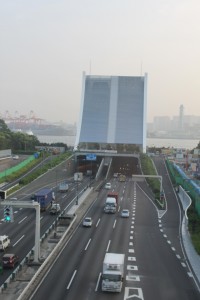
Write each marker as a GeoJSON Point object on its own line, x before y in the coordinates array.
{"type": "Point", "coordinates": [161, 271]}
{"type": "Point", "coordinates": [79, 245]}
{"type": "Point", "coordinates": [108, 236]}
{"type": "Point", "coordinates": [85, 277]}
{"type": "Point", "coordinates": [27, 216]}
{"type": "Point", "coordinates": [22, 231]}
{"type": "Point", "coordinates": [50, 179]}
{"type": "Point", "coordinates": [171, 221]}
{"type": "Point", "coordinates": [87, 280]}
{"type": "Point", "coordinates": [21, 214]}
{"type": "Point", "coordinates": [120, 240]}
{"type": "Point", "coordinates": [113, 236]}
{"type": "Point", "coordinates": [92, 289]}
{"type": "Point", "coordinates": [22, 241]}
{"type": "Point", "coordinates": [172, 204]}
{"type": "Point", "coordinates": [162, 275]}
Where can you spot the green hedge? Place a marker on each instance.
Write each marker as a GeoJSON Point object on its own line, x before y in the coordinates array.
{"type": "Point", "coordinates": [149, 169]}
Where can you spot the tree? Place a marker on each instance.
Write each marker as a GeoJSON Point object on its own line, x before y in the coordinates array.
{"type": "Point", "coordinates": [16, 141]}
{"type": "Point", "coordinates": [4, 128]}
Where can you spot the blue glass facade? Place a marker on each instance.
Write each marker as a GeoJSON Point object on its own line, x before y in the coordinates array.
{"type": "Point", "coordinates": [113, 110]}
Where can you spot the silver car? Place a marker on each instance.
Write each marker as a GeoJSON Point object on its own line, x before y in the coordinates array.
{"type": "Point", "coordinates": [125, 213]}
{"type": "Point", "coordinates": [108, 185]}
{"type": "Point", "coordinates": [87, 222]}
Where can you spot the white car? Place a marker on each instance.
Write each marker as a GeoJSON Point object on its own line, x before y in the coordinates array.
{"type": "Point", "coordinates": [125, 213]}
{"type": "Point", "coordinates": [16, 157]}
{"type": "Point", "coordinates": [108, 186]}
{"type": "Point", "coordinates": [87, 222]}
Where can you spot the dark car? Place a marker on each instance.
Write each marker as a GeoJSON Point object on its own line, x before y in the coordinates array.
{"type": "Point", "coordinates": [9, 260]}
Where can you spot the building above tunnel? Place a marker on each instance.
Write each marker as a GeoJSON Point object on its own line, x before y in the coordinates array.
{"type": "Point", "coordinates": [113, 111]}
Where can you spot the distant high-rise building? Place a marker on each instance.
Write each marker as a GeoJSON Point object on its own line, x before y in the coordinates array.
{"type": "Point", "coordinates": [113, 110]}
{"type": "Point", "coordinates": [181, 117]}
{"type": "Point", "coordinates": [162, 123]}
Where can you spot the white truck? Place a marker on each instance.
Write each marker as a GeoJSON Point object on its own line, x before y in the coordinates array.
{"type": "Point", "coordinates": [78, 176]}
{"type": "Point", "coordinates": [113, 272]}
{"type": "Point", "coordinates": [110, 205]}
{"type": "Point", "coordinates": [63, 187]}
{"type": "Point", "coordinates": [55, 209]}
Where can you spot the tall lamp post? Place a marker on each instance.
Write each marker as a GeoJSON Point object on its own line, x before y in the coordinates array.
{"type": "Point", "coordinates": [77, 178]}
{"type": "Point", "coordinates": [77, 190]}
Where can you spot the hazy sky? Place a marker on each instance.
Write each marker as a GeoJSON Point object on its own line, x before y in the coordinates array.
{"type": "Point", "coordinates": [45, 45]}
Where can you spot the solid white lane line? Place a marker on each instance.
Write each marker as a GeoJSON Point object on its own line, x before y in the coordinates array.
{"type": "Point", "coordinates": [114, 223]}
{"type": "Point", "coordinates": [99, 278]}
{"type": "Point", "coordinates": [71, 280]}
{"type": "Point", "coordinates": [22, 220]}
{"type": "Point", "coordinates": [98, 222]}
{"type": "Point", "coordinates": [19, 240]}
{"type": "Point", "coordinates": [108, 245]}
{"type": "Point", "coordinates": [87, 244]}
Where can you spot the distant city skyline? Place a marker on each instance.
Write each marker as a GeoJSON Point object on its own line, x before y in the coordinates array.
{"type": "Point", "coordinates": [180, 126]}
{"type": "Point", "coordinates": [32, 114]}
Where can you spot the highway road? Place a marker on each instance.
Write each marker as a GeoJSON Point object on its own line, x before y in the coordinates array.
{"type": "Point", "coordinates": [22, 231]}
{"type": "Point", "coordinates": [156, 266]}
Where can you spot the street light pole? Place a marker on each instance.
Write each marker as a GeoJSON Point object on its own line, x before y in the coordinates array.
{"type": "Point", "coordinates": [77, 191]}
{"type": "Point", "coordinates": [77, 177]}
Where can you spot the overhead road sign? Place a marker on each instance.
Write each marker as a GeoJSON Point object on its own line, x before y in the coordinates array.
{"type": "Point", "coordinates": [91, 156]}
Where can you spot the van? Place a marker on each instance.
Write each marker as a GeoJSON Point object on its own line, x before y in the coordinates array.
{"type": "Point", "coordinates": [4, 242]}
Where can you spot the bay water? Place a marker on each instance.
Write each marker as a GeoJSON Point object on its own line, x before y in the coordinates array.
{"type": "Point", "coordinates": [151, 142]}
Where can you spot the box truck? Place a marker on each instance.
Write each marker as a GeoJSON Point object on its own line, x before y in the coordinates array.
{"type": "Point", "coordinates": [122, 178]}
{"type": "Point", "coordinates": [78, 176]}
{"type": "Point", "coordinates": [44, 197]}
{"type": "Point", "coordinates": [113, 272]}
{"type": "Point", "coordinates": [111, 203]}
{"type": "Point", "coordinates": [63, 187]}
